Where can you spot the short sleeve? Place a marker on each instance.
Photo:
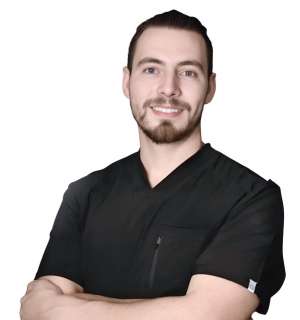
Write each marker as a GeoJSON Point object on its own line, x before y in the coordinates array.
{"type": "Point", "coordinates": [247, 248]}
{"type": "Point", "coordinates": [63, 254]}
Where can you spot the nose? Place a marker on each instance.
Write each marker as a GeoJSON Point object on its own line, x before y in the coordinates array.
{"type": "Point", "coordinates": [168, 86]}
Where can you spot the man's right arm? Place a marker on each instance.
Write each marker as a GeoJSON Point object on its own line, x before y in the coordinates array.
{"type": "Point", "coordinates": [71, 288]}
{"type": "Point", "coordinates": [50, 304]}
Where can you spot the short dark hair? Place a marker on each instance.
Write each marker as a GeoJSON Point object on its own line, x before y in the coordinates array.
{"type": "Point", "coordinates": [174, 20]}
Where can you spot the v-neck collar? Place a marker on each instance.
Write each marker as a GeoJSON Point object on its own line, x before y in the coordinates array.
{"type": "Point", "coordinates": [194, 163]}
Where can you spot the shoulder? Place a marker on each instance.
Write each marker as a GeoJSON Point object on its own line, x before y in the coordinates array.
{"type": "Point", "coordinates": [238, 175]}
{"type": "Point", "coordinates": [249, 196]}
{"type": "Point", "coordinates": [244, 189]}
{"type": "Point", "coordinates": [102, 178]}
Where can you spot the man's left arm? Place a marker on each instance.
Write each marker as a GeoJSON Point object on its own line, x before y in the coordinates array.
{"type": "Point", "coordinates": [208, 298]}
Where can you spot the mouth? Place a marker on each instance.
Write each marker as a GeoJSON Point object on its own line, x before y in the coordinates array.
{"type": "Point", "coordinates": [166, 112]}
{"type": "Point", "coordinates": [166, 109]}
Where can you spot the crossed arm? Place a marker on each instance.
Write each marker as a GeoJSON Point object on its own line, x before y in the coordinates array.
{"type": "Point", "coordinates": [207, 298]}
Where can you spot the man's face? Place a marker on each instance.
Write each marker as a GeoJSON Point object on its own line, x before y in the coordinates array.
{"type": "Point", "coordinates": [169, 71]}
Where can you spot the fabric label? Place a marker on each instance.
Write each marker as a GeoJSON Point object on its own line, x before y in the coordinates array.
{"type": "Point", "coordinates": [252, 285]}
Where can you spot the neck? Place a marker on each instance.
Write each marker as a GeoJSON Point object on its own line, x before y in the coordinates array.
{"type": "Point", "coordinates": [160, 160]}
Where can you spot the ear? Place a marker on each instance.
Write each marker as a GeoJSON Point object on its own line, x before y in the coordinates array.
{"type": "Point", "coordinates": [211, 88]}
{"type": "Point", "coordinates": [125, 83]}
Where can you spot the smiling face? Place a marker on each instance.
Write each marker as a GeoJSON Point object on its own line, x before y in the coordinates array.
{"type": "Point", "coordinates": [168, 85]}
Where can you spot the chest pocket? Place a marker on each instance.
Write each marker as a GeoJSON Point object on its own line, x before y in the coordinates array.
{"type": "Point", "coordinates": [174, 253]}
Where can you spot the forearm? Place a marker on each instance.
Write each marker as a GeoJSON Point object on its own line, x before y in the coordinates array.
{"type": "Point", "coordinates": [45, 300]}
{"type": "Point", "coordinates": [94, 297]}
{"type": "Point", "coordinates": [101, 307]}
{"type": "Point", "coordinates": [165, 308]}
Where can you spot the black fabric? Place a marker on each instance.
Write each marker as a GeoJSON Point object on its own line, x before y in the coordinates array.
{"type": "Point", "coordinates": [213, 215]}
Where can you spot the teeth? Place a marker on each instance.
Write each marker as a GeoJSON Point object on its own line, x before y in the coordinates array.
{"type": "Point", "coordinates": [166, 110]}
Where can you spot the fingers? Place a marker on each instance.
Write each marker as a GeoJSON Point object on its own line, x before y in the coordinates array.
{"type": "Point", "coordinates": [29, 289]}
{"type": "Point", "coordinates": [25, 298]}
{"type": "Point", "coordinates": [30, 286]}
{"type": "Point", "coordinates": [32, 290]}
{"type": "Point", "coordinates": [38, 285]}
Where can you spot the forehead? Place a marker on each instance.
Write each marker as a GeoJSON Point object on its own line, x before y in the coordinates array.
{"type": "Point", "coordinates": [170, 45]}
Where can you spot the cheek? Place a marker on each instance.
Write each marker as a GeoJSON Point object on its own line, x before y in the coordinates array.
{"type": "Point", "coordinates": [140, 91]}
{"type": "Point", "coordinates": [197, 93]}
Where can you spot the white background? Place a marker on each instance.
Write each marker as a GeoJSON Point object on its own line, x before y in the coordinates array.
{"type": "Point", "coordinates": [63, 113]}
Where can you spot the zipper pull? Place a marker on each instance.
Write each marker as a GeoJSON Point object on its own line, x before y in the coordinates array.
{"type": "Point", "coordinates": [158, 242]}
{"type": "Point", "coordinates": [154, 261]}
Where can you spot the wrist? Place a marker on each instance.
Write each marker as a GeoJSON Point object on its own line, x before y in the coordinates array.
{"type": "Point", "coordinates": [71, 308]}
{"type": "Point", "coordinates": [81, 309]}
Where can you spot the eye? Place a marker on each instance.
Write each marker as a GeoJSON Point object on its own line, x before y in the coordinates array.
{"type": "Point", "coordinates": [189, 73]}
{"type": "Point", "coordinates": [150, 70]}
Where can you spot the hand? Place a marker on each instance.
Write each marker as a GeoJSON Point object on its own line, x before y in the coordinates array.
{"type": "Point", "coordinates": [40, 300]}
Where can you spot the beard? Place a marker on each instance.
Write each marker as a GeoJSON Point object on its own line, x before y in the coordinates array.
{"type": "Point", "coordinates": [166, 132]}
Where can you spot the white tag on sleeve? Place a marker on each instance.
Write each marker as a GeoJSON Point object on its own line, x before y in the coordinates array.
{"type": "Point", "coordinates": [252, 285]}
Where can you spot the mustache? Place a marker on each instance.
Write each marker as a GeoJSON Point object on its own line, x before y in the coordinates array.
{"type": "Point", "coordinates": [172, 102]}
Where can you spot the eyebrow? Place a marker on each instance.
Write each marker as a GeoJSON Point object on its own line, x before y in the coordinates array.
{"type": "Point", "coordinates": [195, 63]}
{"type": "Point", "coordinates": [150, 60]}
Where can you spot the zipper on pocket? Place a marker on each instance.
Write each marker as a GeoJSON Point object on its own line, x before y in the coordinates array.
{"type": "Point", "coordinates": [152, 270]}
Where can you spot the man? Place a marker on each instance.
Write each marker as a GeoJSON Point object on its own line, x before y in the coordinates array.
{"type": "Point", "coordinates": [176, 230]}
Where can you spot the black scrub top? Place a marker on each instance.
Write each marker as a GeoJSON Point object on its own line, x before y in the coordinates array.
{"type": "Point", "coordinates": [116, 236]}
